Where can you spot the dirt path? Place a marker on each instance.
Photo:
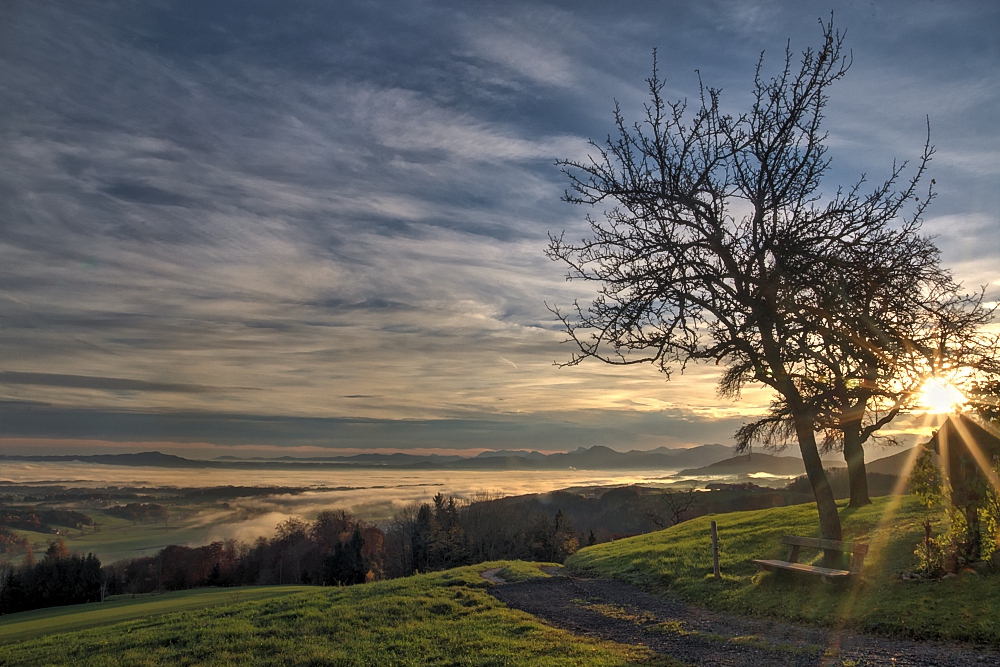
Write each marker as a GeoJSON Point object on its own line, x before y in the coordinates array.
{"type": "Point", "coordinates": [617, 611]}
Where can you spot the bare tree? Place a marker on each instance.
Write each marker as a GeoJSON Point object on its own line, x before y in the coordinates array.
{"type": "Point", "coordinates": [891, 320]}
{"type": "Point", "coordinates": [492, 527]}
{"type": "Point", "coordinates": [985, 399]}
{"type": "Point", "coordinates": [399, 543]}
{"type": "Point", "coordinates": [686, 275]}
{"type": "Point", "coordinates": [671, 506]}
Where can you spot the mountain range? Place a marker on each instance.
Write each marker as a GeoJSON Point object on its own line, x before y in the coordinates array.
{"type": "Point", "coordinates": [700, 461]}
{"type": "Point", "coordinates": [592, 458]}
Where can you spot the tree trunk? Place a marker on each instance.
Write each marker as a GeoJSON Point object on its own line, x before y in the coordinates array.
{"type": "Point", "coordinates": [854, 454]}
{"type": "Point", "coordinates": [829, 520]}
{"type": "Point", "coordinates": [973, 536]}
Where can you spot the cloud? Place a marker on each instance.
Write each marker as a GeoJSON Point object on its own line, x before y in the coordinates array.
{"type": "Point", "coordinates": [145, 194]}
{"type": "Point", "coordinates": [406, 120]}
{"type": "Point", "coordinates": [334, 211]}
{"type": "Point", "coordinates": [558, 430]}
{"type": "Point", "coordinates": [102, 383]}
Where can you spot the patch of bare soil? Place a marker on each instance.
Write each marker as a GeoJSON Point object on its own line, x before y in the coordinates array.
{"type": "Point", "coordinates": [492, 576]}
{"type": "Point", "coordinates": [614, 610]}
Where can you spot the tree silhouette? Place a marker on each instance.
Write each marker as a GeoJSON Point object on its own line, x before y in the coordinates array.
{"type": "Point", "coordinates": [671, 507]}
{"type": "Point", "coordinates": [985, 399]}
{"type": "Point", "coordinates": [719, 246]}
{"type": "Point", "coordinates": [888, 324]}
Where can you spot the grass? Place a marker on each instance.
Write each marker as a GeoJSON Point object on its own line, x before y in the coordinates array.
{"type": "Point", "coordinates": [120, 538]}
{"type": "Point", "coordinates": [516, 571]}
{"type": "Point", "coordinates": [42, 622]}
{"type": "Point", "coordinates": [444, 618]}
{"type": "Point", "coordinates": [678, 562]}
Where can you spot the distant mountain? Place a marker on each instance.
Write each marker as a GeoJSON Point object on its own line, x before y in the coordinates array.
{"type": "Point", "coordinates": [596, 458]}
{"type": "Point", "coordinates": [510, 452]}
{"type": "Point", "coordinates": [662, 459]}
{"type": "Point", "coordinates": [398, 457]}
{"type": "Point", "coordinates": [700, 461]}
{"type": "Point", "coordinates": [895, 464]}
{"type": "Point", "coordinates": [157, 459]}
{"type": "Point", "coordinates": [749, 464]}
{"type": "Point", "coordinates": [696, 456]}
{"type": "Point", "coordinates": [592, 458]}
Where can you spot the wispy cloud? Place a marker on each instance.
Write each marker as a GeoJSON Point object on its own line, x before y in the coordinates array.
{"type": "Point", "coordinates": [333, 211]}
{"type": "Point", "coordinates": [102, 383]}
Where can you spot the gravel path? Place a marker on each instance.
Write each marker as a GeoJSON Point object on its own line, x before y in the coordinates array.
{"type": "Point", "coordinates": [615, 610]}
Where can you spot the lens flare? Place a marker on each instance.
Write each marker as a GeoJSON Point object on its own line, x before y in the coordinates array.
{"type": "Point", "coordinates": [940, 397]}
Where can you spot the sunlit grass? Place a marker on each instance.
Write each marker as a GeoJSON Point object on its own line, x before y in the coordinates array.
{"type": "Point", "coordinates": [516, 571]}
{"type": "Point", "coordinates": [678, 562]}
{"type": "Point", "coordinates": [41, 622]}
{"type": "Point", "coordinates": [444, 618]}
{"type": "Point", "coordinates": [119, 538]}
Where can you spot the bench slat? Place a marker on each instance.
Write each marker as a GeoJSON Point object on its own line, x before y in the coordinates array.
{"type": "Point", "coordinates": [816, 543]}
{"type": "Point", "coordinates": [827, 574]}
{"type": "Point", "coordinates": [799, 567]}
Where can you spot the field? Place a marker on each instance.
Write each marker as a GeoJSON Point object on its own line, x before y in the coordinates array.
{"type": "Point", "coordinates": [677, 562]}
{"type": "Point", "coordinates": [42, 622]}
{"type": "Point", "coordinates": [444, 618]}
{"type": "Point", "coordinates": [116, 538]}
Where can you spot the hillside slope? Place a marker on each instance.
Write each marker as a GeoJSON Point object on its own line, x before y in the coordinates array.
{"type": "Point", "coordinates": [444, 618]}
{"type": "Point", "coordinates": [678, 562]}
{"type": "Point", "coordinates": [53, 620]}
{"type": "Point", "coordinates": [748, 464]}
{"type": "Point", "coordinates": [899, 463]}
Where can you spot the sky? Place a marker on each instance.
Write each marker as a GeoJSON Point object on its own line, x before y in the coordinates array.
{"type": "Point", "coordinates": [302, 227]}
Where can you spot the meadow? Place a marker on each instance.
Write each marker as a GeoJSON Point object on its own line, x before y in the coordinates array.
{"type": "Point", "coordinates": [444, 618]}
{"type": "Point", "coordinates": [677, 562]}
{"type": "Point", "coordinates": [448, 618]}
{"type": "Point", "coordinates": [42, 622]}
{"type": "Point", "coordinates": [190, 522]}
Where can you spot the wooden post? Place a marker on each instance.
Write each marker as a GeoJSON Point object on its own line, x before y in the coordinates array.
{"type": "Point", "coordinates": [715, 551]}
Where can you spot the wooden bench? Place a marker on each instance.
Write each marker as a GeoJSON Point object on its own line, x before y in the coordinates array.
{"type": "Point", "coordinates": [828, 575]}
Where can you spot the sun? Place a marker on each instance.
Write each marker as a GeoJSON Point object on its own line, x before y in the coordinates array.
{"type": "Point", "coordinates": [940, 397]}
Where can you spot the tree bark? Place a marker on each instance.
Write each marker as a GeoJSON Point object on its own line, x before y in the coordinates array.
{"type": "Point", "coordinates": [829, 520]}
{"type": "Point", "coordinates": [973, 537]}
{"type": "Point", "coordinates": [854, 454]}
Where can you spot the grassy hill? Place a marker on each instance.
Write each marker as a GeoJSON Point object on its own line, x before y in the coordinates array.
{"type": "Point", "coordinates": [444, 618]}
{"type": "Point", "coordinates": [52, 620]}
{"type": "Point", "coordinates": [448, 618]}
{"type": "Point", "coordinates": [678, 562]}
